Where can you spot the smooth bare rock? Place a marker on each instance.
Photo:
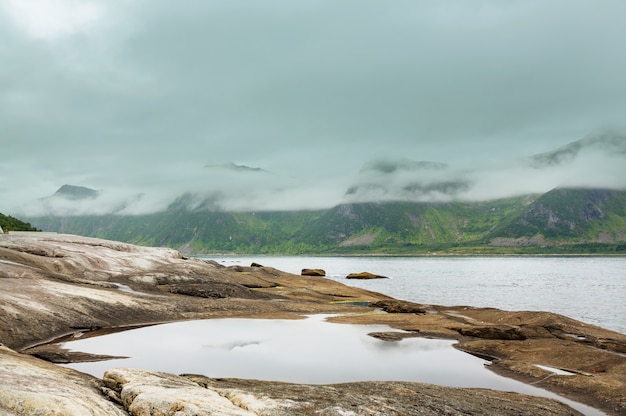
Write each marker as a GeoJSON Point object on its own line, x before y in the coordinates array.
{"type": "Point", "coordinates": [29, 386]}
{"type": "Point", "coordinates": [55, 285]}
{"type": "Point", "coordinates": [313, 272]}
{"type": "Point", "coordinates": [365, 275]}
{"type": "Point", "coordinates": [148, 393]}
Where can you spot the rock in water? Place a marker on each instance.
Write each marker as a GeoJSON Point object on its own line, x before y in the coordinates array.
{"type": "Point", "coordinates": [365, 275]}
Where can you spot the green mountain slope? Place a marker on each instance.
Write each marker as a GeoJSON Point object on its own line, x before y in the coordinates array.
{"type": "Point", "coordinates": [560, 221]}
{"type": "Point", "coordinates": [401, 226]}
{"type": "Point", "coordinates": [572, 214]}
{"type": "Point", "coordinates": [9, 223]}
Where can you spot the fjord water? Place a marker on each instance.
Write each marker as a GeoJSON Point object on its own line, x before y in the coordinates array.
{"type": "Point", "coordinates": [589, 289]}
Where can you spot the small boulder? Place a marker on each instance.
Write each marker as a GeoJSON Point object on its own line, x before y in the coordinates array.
{"type": "Point", "coordinates": [365, 275]}
{"type": "Point", "coordinates": [313, 272]}
{"type": "Point", "coordinates": [256, 265]}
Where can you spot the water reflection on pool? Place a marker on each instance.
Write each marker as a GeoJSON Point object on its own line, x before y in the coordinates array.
{"type": "Point", "coordinates": [303, 351]}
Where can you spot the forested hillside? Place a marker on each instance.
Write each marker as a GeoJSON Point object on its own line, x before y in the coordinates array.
{"type": "Point", "coordinates": [9, 223]}
{"type": "Point", "coordinates": [560, 221]}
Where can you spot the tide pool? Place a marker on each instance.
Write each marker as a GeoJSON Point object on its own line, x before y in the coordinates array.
{"type": "Point", "coordinates": [310, 351]}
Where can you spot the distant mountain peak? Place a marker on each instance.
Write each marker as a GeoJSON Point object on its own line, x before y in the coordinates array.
{"type": "Point", "coordinates": [76, 192]}
{"type": "Point", "coordinates": [235, 167]}
{"type": "Point", "coordinates": [609, 142]}
{"type": "Point", "coordinates": [388, 166]}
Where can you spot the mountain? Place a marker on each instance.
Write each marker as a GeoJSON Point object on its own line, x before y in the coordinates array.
{"type": "Point", "coordinates": [607, 143]}
{"type": "Point", "coordinates": [386, 166]}
{"type": "Point", "coordinates": [234, 167]}
{"type": "Point", "coordinates": [75, 192]}
{"type": "Point", "coordinates": [589, 214]}
{"type": "Point", "coordinates": [596, 161]}
{"type": "Point", "coordinates": [563, 220]}
{"type": "Point", "coordinates": [406, 179]}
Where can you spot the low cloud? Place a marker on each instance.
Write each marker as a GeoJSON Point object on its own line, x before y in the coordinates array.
{"type": "Point", "coordinates": [597, 162]}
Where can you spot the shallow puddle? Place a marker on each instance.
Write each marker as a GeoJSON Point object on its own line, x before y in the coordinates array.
{"type": "Point", "coordinates": [309, 351]}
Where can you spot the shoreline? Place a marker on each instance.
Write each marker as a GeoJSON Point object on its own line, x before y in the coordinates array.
{"type": "Point", "coordinates": [496, 255]}
{"type": "Point", "coordinates": [62, 284]}
{"type": "Point", "coordinates": [561, 391]}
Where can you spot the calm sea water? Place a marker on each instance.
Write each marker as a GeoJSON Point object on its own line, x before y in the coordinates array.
{"type": "Point", "coordinates": [589, 289]}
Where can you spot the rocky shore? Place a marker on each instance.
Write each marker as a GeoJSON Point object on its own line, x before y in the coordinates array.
{"type": "Point", "coordinates": [54, 286]}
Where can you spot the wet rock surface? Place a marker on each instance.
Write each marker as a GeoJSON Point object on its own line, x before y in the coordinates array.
{"type": "Point", "coordinates": [54, 286]}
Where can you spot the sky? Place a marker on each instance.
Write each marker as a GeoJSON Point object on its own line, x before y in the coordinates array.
{"type": "Point", "coordinates": [328, 101]}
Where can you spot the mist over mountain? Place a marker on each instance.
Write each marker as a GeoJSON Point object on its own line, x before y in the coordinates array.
{"type": "Point", "coordinates": [389, 166]}
{"type": "Point", "coordinates": [608, 144]}
{"type": "Point", "coordinates": [235, 167]}
{"type": "Point", "coordinates": [406, 180]}
{"type": "Point", "coordinates": [597, 161]}
{"type": "Point", "coordinates": [563, 220]}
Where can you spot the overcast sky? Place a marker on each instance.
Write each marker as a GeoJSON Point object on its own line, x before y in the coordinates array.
{"type": "Point", "coordinates": [156, 97]}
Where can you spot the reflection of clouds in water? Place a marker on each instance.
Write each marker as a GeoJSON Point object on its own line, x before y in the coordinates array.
{"type": "Point", "coordinates": [234, 344]}
{"type": "Point", "coordinates": [300, 351]}
{"type": "Point", "coordinates": [408, 345]}
{"type": "Point", "coordinates": [310, 350]}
